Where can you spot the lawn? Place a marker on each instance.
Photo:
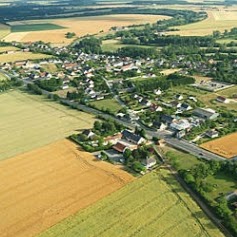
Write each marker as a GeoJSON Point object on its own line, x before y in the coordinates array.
{"type": "Point", "coordinates": [35, 27]}
{"type": "Point", "coordinates": [179, 159]}
{"type": "Point", "coordinates": [154, 205]}
{"type": "Point", "coordinates": [29, 121]}
{"type": "Point", "coordinates": [20, 56]}
{"type": "Point", "coordinates": [110, 104]}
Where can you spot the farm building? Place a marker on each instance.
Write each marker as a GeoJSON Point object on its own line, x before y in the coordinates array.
{"type": "Point", "coordinates": [205, 113]}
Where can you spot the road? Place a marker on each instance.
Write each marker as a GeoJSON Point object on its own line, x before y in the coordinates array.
{"type": "Point", "coordinates": [166, 135]}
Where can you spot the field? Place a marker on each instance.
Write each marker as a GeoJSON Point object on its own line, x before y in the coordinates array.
{"type": "Point", "coordinates": [110, 104]}
{"type": "Point", "coordinates": [3, 77]}
{"type": "Point", "coordinates": [29, 121]}
{"type": "Point", "coordinates": [48, 184]}
{"type": "Point", "coordinates": [225, 146]}
{"type": "Point", "coordinates": [154, 205]}
{"type": "Point", "coordinates": [4, 30]}
{"type": "Point", "coordinates": [20, 56]}
{"type": "Point", "coordinates": [114, 45]}
{"type": "Point", "coordinates": [8, 48]}
{"type": "Point", "coordinates": [34, 27]}
{"type": "Point", "coordinates": [81, 26]}
{"type": "Point", "coordinates": [217, 20]}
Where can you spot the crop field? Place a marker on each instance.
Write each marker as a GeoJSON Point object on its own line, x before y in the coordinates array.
{"type": "Point", "coordinates": [217, 20]}
{"type": "Point", "coordinates": [224, 146]}
{"type": "Point", "coordinates": [4, 30]}
{"type": "Point", "coordinates": [81, 26]}
{"type": "Point", "coordinates": [8, 48]}
{"type": "Point", "coordinates": [48, 184]}
{"type": "Point", "coordinates": [20, 56]}
{"type": "Point", "coordinates": [29, 121]}
{"type": "Point", "coordinates": [34, 27]}
{"type": "Point", "coordinates": [110, 104]}
{"type": "Point", "coordinates": [154, 205]}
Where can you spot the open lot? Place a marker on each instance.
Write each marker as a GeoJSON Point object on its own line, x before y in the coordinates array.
{"type": "Point", "coordinates": [217, 20]}
{"type": "Point", "coordinates": [154, 205]}
{"type": "Point", "coordinates": [110, 104]}
{"type": "Point", "coordinates": [225, 146]}
{"type": "Point", "coordinates": [81, 26]}
{"type": "Point", "coordinates": [20, 56]}
{"type": "Point", "coordinates": [48, 184]}
{"type": "Point", "coordinates": [29, 121]}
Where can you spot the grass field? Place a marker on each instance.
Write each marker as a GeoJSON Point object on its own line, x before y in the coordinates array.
{"type": "Point", "coordinates": [217, 20]}
{"type": "Point", "coordinates": [114, 45]}
{"type": "Point", "coordinates": [81, 26]}
{"type": "Point", "coordinates": [20, 56]}
{"type": "Point", "coordinates": [29, 121]}
{"type": "Point", "coordinates": [35, 27]}
{"type": "Point", "coordinates": [154, 205]}
{"type": "Point", "coordinates": [48, 184]}
{"type": "Point", "coordinates": [3, 77]}
{"type": "Point", "coordinates": [110, 104]}
{"type": "Point", "coordinates": [224, 146]}
{"type": "Point", "coordinates": [179, 159]}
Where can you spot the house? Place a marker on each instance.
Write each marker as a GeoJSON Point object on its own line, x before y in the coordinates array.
{"type": "Point", "coordinates": [120, 147]}
{"type": "Point", "coordinates": [132, 137]}
{"type": "Point", "coordinates": [175, 104]}
{"type": "Point", "coordinates": [179, 97]}
{"type": "Point", "coordinates": [159, 125]}
{"type": "Point", "coordinates": [113, 139]}
{"type": "Point", "coordinates": [212, 133]}
{"type": "Point", "coordinates": [149, 162]}
{"type": "Point", "coordinates": [180, 125]}
{"type": "Point", "coordinates": [205, 113]}
{"type": "Point", "coordinates": [167, 119]}
{"type": "Point", "coordinates": [231, 195]}
{"type": "Point", "coordinates": [88, 133]}
{"type": "Point", "coordinates": [157, 92]}
{"type": "Point", "coordinates": [155, 108]}
{"type": "Point", "coordinates": [222, 99]}
{"type": "Point", "coordinates": [185, 107]}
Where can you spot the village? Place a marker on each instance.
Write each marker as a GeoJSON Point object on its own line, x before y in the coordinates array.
{"type": "Point", "coordinates": [134, 90]}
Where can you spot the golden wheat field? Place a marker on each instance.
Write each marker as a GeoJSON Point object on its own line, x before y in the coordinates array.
{"type": "Point", "coordinates": [44, 186]}
{"type": "Point", "coordinates": [225, 146]}
{"type": "Point", "coordinates": [81, 26]}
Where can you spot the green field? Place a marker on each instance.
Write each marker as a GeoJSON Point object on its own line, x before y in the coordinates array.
{"type": "Point", "coordinates": [3, 77]}
{"type": "Point", "coordinates": [154, 205]}
{"type": "Point", "coordinates": [35, 27]}
{"type": "Point", "coordinates": [114, 45]}
{"type": "Point", "coordinates": [181, 160]}
{"type": "Point", "coordinates": [109, 104]}
{"type": "Point", "coordinates": [29, 121]}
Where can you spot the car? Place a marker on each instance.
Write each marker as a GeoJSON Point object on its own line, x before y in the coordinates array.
{"type": "Point", "coordinates": [200, 154]}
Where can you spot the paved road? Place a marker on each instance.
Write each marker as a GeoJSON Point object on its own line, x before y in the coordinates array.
{"type": "Point", "coordinates": [166, 135]}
